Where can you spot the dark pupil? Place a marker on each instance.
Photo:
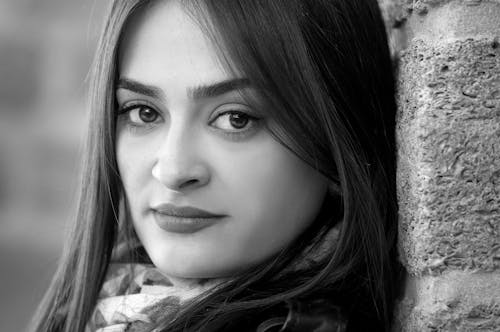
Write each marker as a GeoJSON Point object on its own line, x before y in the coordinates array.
{"type": "Point", "coordinates": [238, 121]}
{"type": "Point", "coordinates": [146, 114]}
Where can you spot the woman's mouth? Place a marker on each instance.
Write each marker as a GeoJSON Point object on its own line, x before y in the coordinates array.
{"type": "Point", "coordinates": [184, 219]}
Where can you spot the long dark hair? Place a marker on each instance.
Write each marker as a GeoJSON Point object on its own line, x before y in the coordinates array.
{"type": "Point", "coordinates": [323, 72]}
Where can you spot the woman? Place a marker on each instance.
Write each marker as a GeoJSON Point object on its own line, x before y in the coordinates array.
{"type": "Point", "coordinates": [244, 149]}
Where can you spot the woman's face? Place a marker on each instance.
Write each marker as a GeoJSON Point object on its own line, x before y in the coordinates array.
{"type": "Point", "coordinates": [186, 138]}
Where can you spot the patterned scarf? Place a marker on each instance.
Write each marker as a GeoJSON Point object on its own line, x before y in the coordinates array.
{"type": "Point", "coordinates": [134, 295]}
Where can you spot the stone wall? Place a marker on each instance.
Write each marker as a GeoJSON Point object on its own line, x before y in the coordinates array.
{"type": "Point", "coordinates": [448, 137]}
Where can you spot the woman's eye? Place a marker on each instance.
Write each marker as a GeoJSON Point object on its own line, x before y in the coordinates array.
{"type": "Point", "coordinates": [234, 121]}
{"type": "Point", "coordinates": [140, 114]}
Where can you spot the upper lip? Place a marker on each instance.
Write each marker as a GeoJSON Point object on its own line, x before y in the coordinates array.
{"type": "Point", "coordinates": [184, 211]}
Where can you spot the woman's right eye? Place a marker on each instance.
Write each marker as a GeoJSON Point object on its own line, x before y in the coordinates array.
{"type": "Point", "coordinates": [140, 115]}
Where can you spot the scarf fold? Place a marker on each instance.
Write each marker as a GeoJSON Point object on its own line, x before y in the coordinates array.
{"type": "Point", "coordinates": [135, 295]}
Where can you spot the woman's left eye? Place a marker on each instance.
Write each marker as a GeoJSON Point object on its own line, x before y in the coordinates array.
{"type": "Point", "coordinates": [234, 121]}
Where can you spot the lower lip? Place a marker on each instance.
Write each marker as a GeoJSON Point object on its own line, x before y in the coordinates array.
{"type": "Point", "coordinates": [183, 225]}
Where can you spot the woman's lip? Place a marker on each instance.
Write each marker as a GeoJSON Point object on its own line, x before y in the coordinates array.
{"type": "Point", "coordinates": [182, 224]}
{"type": "Point", "coordinates": [184, 211]}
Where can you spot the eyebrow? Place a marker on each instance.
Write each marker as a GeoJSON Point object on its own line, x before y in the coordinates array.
{"type": "Point", "coordinates": [140, 88]}
{"type": "Point", "coordinates": [217, 89]}
{"type": "Point", "coordinates": [198, 92]}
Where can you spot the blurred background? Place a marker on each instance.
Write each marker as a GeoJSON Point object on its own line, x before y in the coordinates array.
{"type": "Point", "coordinates": [46, 48]}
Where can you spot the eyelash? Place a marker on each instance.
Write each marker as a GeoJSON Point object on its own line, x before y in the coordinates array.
{"type": "Point", "coordinates": [133, 126]}
{"type": "Point", "coordinates": [247, 130]}
{"type": "Point", "coordinates": [252, 124]}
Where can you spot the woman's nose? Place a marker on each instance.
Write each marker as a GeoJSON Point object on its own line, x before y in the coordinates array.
{"type": "Point", "coordinates": [179, 164]}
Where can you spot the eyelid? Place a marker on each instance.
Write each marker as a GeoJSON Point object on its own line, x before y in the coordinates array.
{"type": "Point", "coordinates": [137, 127]}
{"type": "Point", "coordinates": [255, 121]}
{"type": "Point", "coordinates": [130, 105]}
{"type": "Point", "coordinates": [233, 107]}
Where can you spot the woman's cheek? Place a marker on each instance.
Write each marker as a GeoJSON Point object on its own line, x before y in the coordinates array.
{"type": "Point", "coordinates": [275, 196]}
{"type": "Point", "coordinates": [135, 159]}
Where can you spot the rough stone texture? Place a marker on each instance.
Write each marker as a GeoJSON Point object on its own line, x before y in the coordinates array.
{"type": "Point", "coordinates": [438, 20]}
{"type": "Point", "coordinates": [449, 156]}
{"type": "Point", "coordinates": [448, 134]}
{"type": "Point", "coordinates": [457, 301]}
{"type": "Point", "coordinates": [397, 11]}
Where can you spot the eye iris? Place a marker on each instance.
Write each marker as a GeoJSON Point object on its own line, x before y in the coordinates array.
{"type": "Point", "coordinates": [146, 114]}
{"type": "Point", "coordinates": [238, 121]}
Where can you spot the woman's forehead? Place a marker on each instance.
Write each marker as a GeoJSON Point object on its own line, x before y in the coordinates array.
{"type": "Point", "coordinates": [162, 44]}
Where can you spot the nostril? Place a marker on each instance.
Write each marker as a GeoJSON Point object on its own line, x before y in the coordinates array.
{"type": "Point", "coordinates": [180, 176]}
{"type": "Point", "coordinates": [189, 182]}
